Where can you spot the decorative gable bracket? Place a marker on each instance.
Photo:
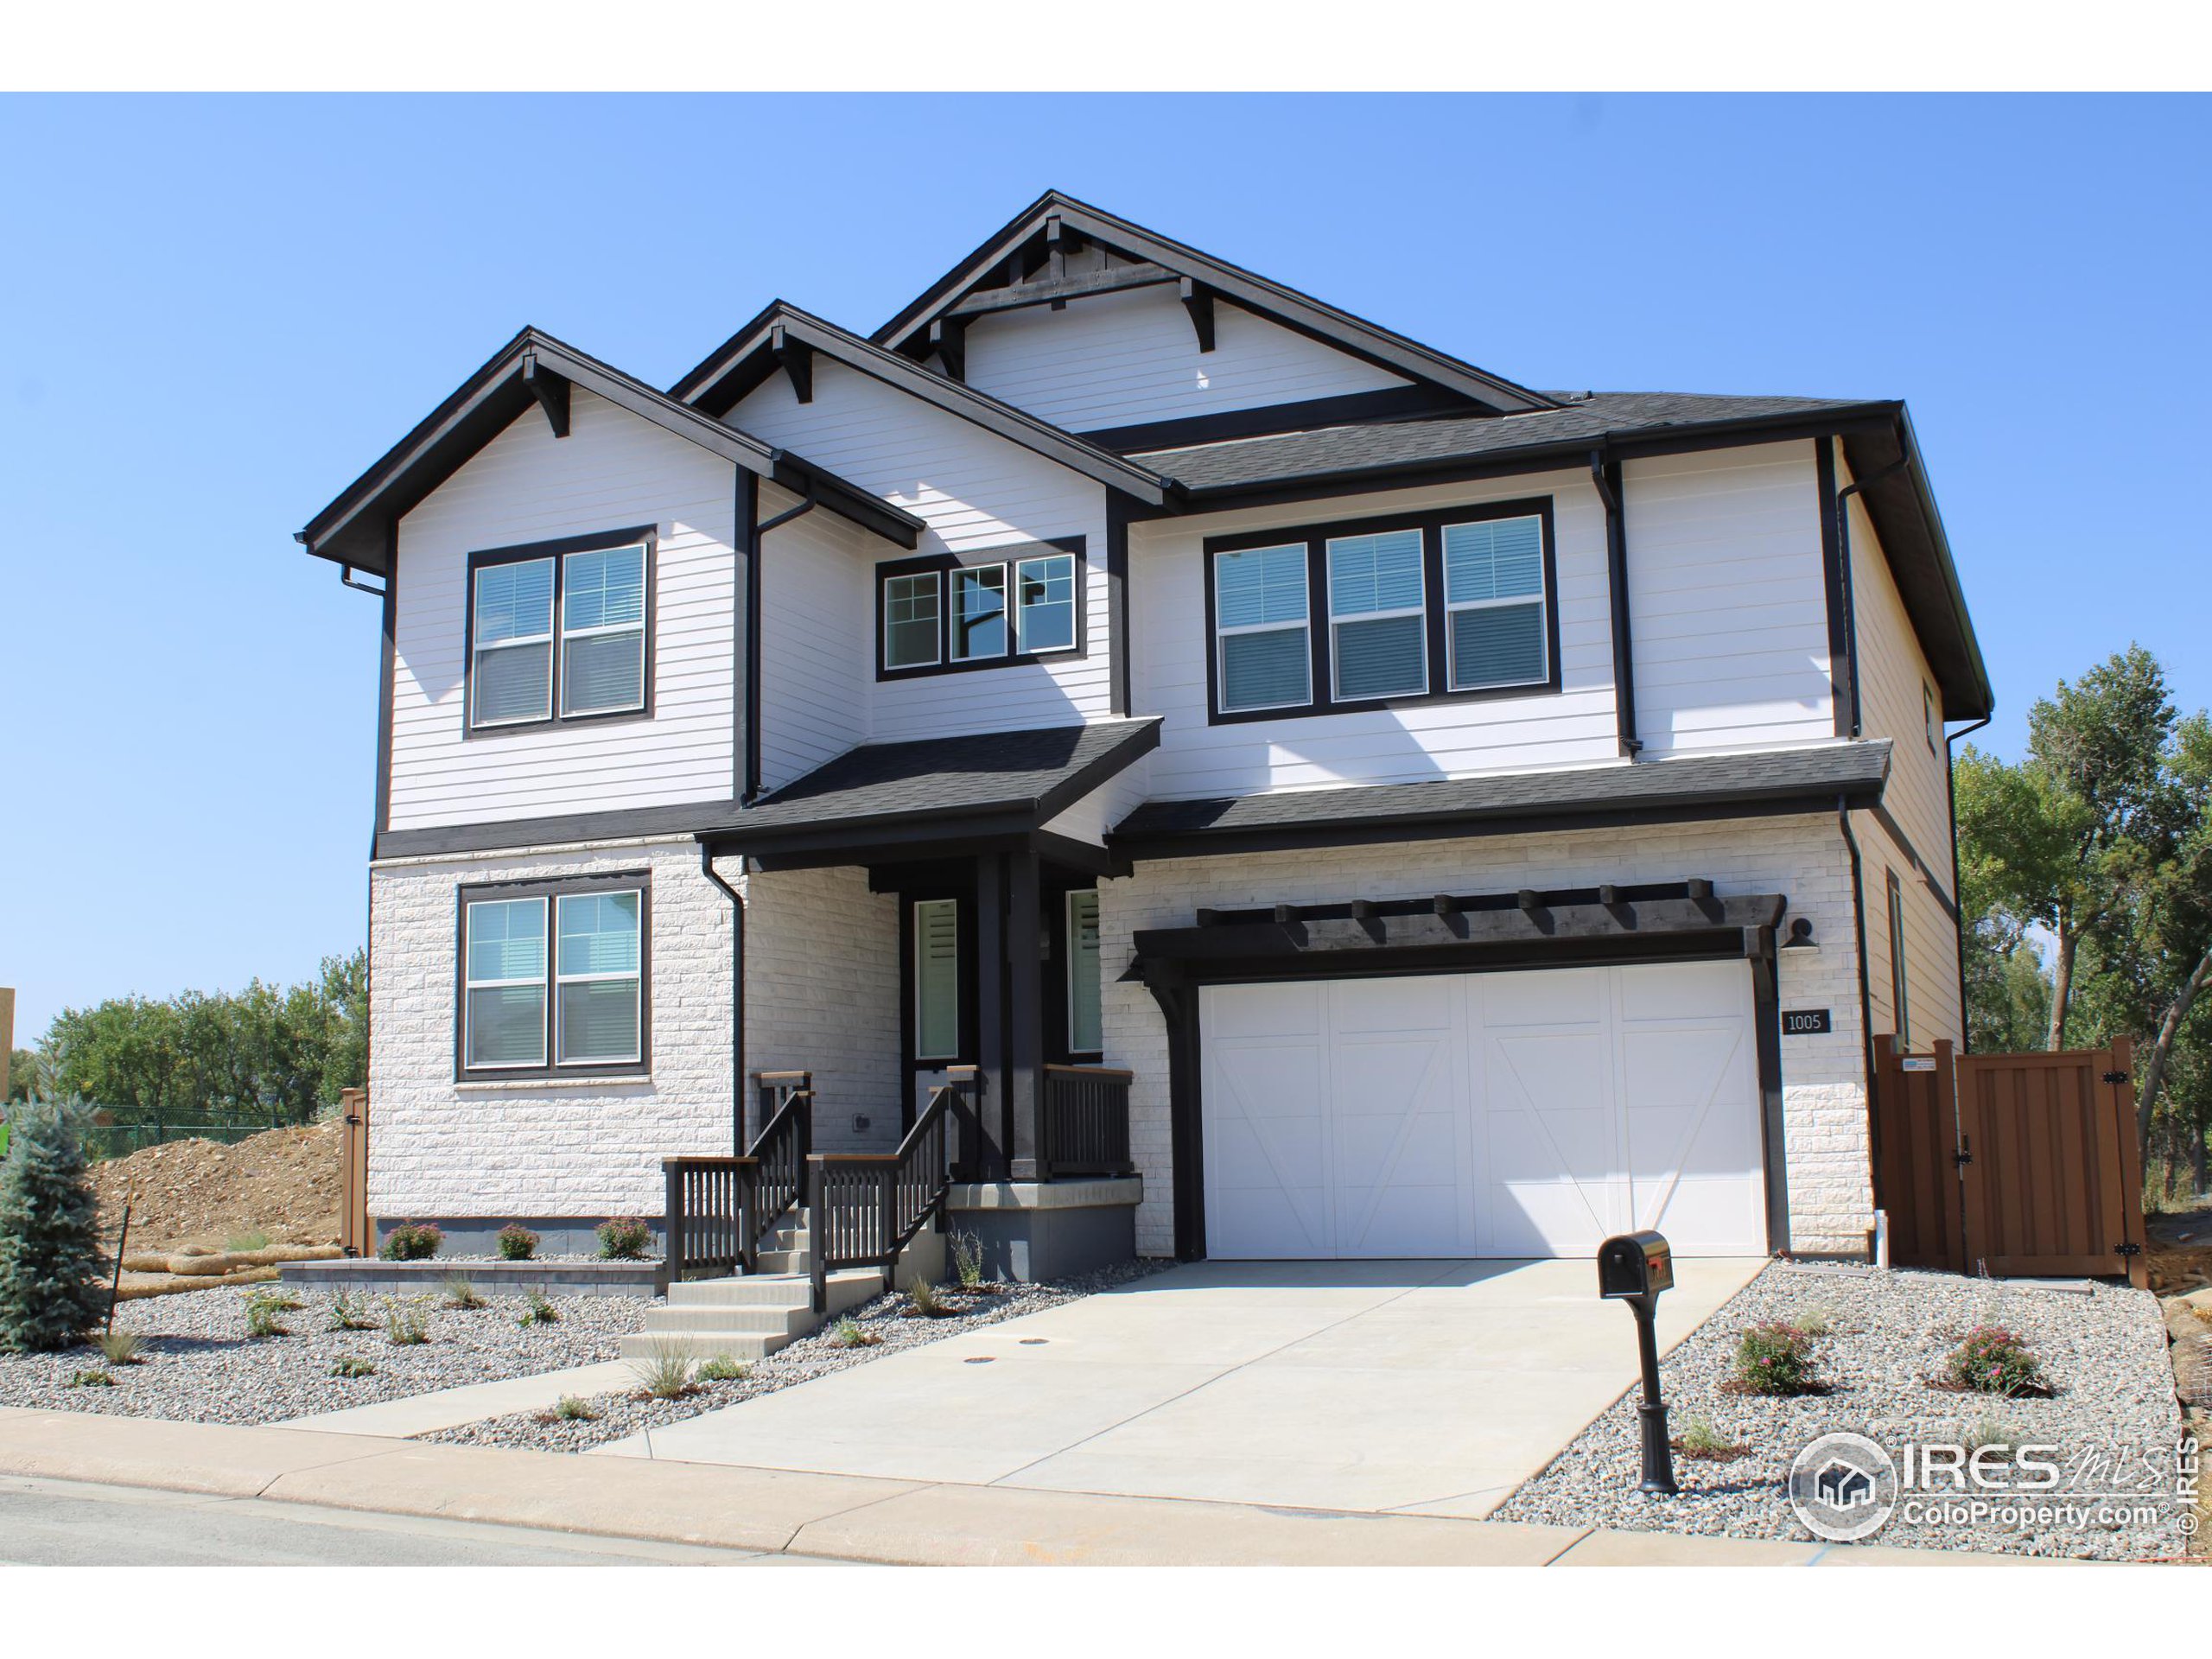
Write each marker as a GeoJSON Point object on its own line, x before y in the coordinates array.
{"type": "Point", "coordinates": [551, 391]}
{"type": "Point", "coordinates": [1198, 300]}
{"type": "Point", "coordinates": [796, 358]}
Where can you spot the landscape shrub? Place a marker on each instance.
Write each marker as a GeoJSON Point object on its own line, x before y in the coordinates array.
{"type": "Point", "coordinates": [516, 1242]}
{"type": "Point", "coordinates": [413, 1240]}
{"type": "Point", "coordinates": [52, 1288]}
{"type": "Point", "coordinates": [624, 1238]}
{"type": "Point", "coordinates": [722, 1368]}
{"type": "Point", "coordinates": [967, 1260]}
{"type": "Point", "coordinates": [572, 1409]}
{"type": "Point", "coordinates": [926, 1302]}
{"type": "Point", "coordinates": [405, 1325]}
{"type": "Point", "coordinates": [349, 1310]}
{"type": "Point", "coordinates": [262, 1311]}
{"type": "Point", "coordinates": [1993, 1360]}
{"type": "Point", "coordinates": [1774, 1358]}
{"type": "Point", "coordinates": [352, 1365]}
{"type": "Point", "coordinates": [539, 1309]}
{"type": "Point", "coordinates": [91, 1380]}
{"type": "Point", "coordinates": [847, 1333]}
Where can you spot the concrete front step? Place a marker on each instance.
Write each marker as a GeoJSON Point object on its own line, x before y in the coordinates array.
{"type": "Point", "coordinates": [847, 1286]}
{"type": "Point", "coordinates": [745, 1346]}
{"type": "Point", "coordinates": [769, 1321]}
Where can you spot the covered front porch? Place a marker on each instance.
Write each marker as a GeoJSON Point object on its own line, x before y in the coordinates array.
{"type": "Point", "coordinates": [919, 963]}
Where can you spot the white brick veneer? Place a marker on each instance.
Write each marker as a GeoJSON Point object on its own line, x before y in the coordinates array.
{"type": "Point", "coordinates": [529, 1148]}
{"type": "Point", "coordinates": [1825, 1148]}
{"type": "Point", "coordinates": [821, 992]}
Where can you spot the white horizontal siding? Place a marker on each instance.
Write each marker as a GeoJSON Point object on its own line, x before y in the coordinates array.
{"type": "Point", "coordinates": [1931, 940]}
{"type": "Point", "coordinates": [816, 639]}
{"type": "Point", "coordinates": [1893, 677]}
{"type": "Point", "coordinates": [1727, 603]}
{"type": "Point", "coordinates": [1570, 726]}
{"type": "Point", "coordinates": [977, 491]}
{"type": "Point", "coordinates": [613, 470]}
{"type": "Point", "coordinates": [1126, 358]}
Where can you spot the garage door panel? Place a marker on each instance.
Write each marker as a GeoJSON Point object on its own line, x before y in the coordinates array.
{"type": "Point", "coordinates": [1509, 1114]}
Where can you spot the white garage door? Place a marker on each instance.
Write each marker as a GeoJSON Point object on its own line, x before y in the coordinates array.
{"type": "Point", "coordinates": [1506, 1114]}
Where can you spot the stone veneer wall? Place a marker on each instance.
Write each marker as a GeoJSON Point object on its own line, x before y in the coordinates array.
{"type": "Point", "coordinates": [1827, 1152]}
{"type": "Point", "coordinates": [821, 992]}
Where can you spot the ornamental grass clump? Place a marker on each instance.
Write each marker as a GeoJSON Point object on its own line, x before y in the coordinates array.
{"type": "Point", "coordinates": [405, 1325]}
{"type": "Point", "coordinates": [263, 1313]}
{"type": "Point", "coordinates": [516, 1242]}
{"type": "Point", "coordinates": [722, 1368]}
{"type": "Point", "coordinates": [574, 1409]}
{"type": "Point", "coordinates": [413, 1240]}
{"type": "Point", "coordinates": [538, 1309]}
{"type": "Point", "coordinates": [1775, 1359]}
{"type": "Point", "coordinates": [848, 1333]}
{"type": "Point", "coordinates": [624, 1238]}
{"type": "Point", "coordinates": [461, 1292]}
{"type": "Point", "coordinates": [350, 1311]}
{"type": "Point", "coordinates": [665, 1370]}
{"type": "Point", "coordinates": [1993, 1360]}
{"type": "Point", "coordinates": [122, 1347]}
{"type": "Point", "coordinates": [52, 1286]}
{"type": "Point", "coordinates": [967, 1260]}
{"type": "Point", "coordinates": [352, 1365]}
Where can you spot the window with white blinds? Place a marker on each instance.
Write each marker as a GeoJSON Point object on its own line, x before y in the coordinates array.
{"type": "Point", "coordinates": [1086, 1022]}
{"type": "Point", "coordinates": [559, 631]}
{"type": "Point", "coordinates": [937, 979]}
{"type": "Point", "coordinates": [553, 977]}
{"type": "Point", "coordinates": [1452, 603]}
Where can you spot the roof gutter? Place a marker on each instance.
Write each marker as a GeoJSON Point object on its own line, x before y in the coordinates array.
{"type": "Point", "coordinates": [1605, 479]}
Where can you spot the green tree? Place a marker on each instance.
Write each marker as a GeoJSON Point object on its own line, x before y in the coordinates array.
{"type": "Point", "coordinates": [2066, 838]}
{"type": "Point", "coordinates": [50, 1290]}
{"type": "Point", "coordinates": [24, 1075]}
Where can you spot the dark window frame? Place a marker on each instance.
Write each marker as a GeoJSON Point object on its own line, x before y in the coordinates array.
{"type": "Point", "coordinates": [648, 535]}
{"type": "Point", "coordinates": [1900, 1010]}
{"type": "Point", "coordinates": [1930, 714]}
{"type": "Point", "coordinates": [1008, 556]}
{"type": "Point", "coordinates": [552, 891]}
{"type": "Point", "coordinates": [1436, 624]}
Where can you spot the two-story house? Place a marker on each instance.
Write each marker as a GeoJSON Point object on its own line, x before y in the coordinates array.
{"type": "Point", "coordinates": [1305, 795]}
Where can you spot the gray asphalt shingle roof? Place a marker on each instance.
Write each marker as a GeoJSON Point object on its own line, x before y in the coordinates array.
{"type": "Point", "coordinates": [1242, 462]}
{"type": "Point", "coordinates": [1851, 768]}
{"type": "Point", "coordinates": [1038, 771]}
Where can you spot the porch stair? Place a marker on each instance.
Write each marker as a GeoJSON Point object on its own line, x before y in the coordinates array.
{"type": "Point", "coordinates": [748, 1318]}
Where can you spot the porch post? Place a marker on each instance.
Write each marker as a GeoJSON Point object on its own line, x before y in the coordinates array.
{"type": "Point", "coordinates": [1025, 956]}
{"type": "Point", "coordinates": [991, 1057]}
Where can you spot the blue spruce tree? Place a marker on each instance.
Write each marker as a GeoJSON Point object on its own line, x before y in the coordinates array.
{"type": "Point", "coordinates": [51, 1293]}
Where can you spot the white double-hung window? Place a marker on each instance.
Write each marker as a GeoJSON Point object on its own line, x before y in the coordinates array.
{"type": "Point", "coordinates": [559, 634]}
{"type": "Point", "coordinates": [510, 680]}
{"type": "Point", "coordinates": [1262, 642]}
{"type": "Point", "coordinates": [1378, 621]}
{"type": "Point", "coordinates": [553, 978]}
{"type": "Point", "coordinates": [1494, 603]}
{"type": "Point", "coordinates": [603, 631]}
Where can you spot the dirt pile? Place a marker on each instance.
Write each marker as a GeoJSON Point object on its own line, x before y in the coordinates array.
{"type": "Point", "coordinates": [196, 1193]}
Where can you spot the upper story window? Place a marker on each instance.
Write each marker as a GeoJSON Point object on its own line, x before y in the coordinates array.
{"type": "Point", "coordinates": [553, 977]}
{"type": "Point", "coordinates": [939, 614]}
{"type": "Point", "coordinates": [1422, 607]}
{"type": "Point", "coordinates": [560, 626]}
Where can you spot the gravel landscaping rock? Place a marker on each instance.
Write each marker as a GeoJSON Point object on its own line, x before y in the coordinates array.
{"type": "Point", "coordinates": [201, 1366]}
{"type": "Point", "coordinates": [2114, 1417]}
{"type": "Point", "coordinates": [625, 1412]}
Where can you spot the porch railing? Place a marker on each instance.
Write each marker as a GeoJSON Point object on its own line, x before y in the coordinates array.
{"type": "Point", "coordinates": [717, 1209]}
{"type": "Point", "coordinates": [863, 1207]}
{"type": "Point", "coordinates": [1083, 1122]}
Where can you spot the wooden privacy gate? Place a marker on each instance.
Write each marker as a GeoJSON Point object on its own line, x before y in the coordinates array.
{"type": "Point", "coordinates": [2010, 1165]}
{"type": "Point", "coordinates": [357, 1229]}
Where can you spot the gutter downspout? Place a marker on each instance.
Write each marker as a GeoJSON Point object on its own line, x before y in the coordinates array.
{"type": "Point", "coordinates": [736, 997]}
{"type": "Point", "coordinates": [1866, 997]}
{"type": "Point", "coordinates": [1603, 479]}
{"type": "Point", "coordinates": [1958, 896]}
{"type": "Point", "coordinates": [753, 642]}
{"type": "Point", "coordinates": [1843, 559]}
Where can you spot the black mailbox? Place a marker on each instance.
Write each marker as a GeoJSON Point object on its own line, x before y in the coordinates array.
{"type": "Point", "coordinates": [1635, 1264]}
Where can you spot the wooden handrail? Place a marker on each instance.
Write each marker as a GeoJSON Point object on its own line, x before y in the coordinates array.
{"type": "Point", "coordinates": [1105, 1073]}
{"type": "Point", "coordinates": [866, 1213]}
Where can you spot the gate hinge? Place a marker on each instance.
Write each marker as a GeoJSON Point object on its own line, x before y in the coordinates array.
{"type": "Point", "coordinates": [2115, 1076]}
{"type": "Point", "coordinates": [1963, 1157]}
{"type": "Point", "coordinates": [2128, 1250]}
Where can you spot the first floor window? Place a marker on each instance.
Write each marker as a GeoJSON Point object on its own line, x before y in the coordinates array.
{"type": "Point", "coordinates": [937, 979]}
{"type": "Point", "coordinates": [506, 992]}
{"type": "Point", "coordinates": [1897, 962]}
{"type": "Point", "coordinates": [1264, 652]}
{"type": "Point", "coordinates": [553, 976]}
{"type": "Point", "coordinates": [597, 974]}
{"type": "Point", "coordinates": [1085, 1020]}
{"type": "Point", "coordinates": [1494, 602]}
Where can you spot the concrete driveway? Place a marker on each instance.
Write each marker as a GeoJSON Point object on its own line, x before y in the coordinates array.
{"type": "Point", "coordinates": [1425, 1388]}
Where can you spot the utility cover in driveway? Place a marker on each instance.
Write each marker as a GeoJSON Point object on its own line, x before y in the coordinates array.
{"type": "Point", "coordinates": [1482, 1114]}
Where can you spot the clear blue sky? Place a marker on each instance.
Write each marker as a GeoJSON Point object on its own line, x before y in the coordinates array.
{"type": "Point", "coordinates": [216, 312]}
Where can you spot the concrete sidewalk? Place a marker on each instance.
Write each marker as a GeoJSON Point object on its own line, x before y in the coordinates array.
{"type": "Point", "coordinates": [845, 1517]}
{"type": "Point", "coordinates": [426, 1414]}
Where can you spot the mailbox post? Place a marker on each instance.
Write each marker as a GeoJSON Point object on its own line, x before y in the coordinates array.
{"type": "Point", "coordinates": [1634, 1267]}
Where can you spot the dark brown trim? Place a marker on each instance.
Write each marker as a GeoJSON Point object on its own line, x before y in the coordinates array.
{"type": "Point", "coordinates": [1321, 660]}
{"type": "Point", "coordinates": [744, 680]}
{"type": "Point", "coordinates": [1446, 826]}
{"type": "Point", "coordinates": [1118, 654]}
{"type": "Point", "coordinates": [1766, 1037]}
{"type": "Point", "coordinates": [647, 535]}
{"type": "Point", "coordinates": [1921, 867]}
{"type": "Point", "coordinates": [639, 881]}
{"type": "Point", "coordinates": [1007, 555]}
{"type": "Point", "coordinates": [1348, 409]}
{"type": "Point", "coordinates": [680, 822]}
{"type": "Point", "coordinates": [386, 679]}
{"type": "Point", "coordinates": [1179, 1009]}
{"type": "Point", "coordinates": [1843, 665]}
{"type": "Point", "coordinates": [1605, 478]}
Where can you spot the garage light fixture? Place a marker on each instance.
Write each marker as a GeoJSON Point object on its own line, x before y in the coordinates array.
{"type": "Point", "coordinates": [1800, 935]}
